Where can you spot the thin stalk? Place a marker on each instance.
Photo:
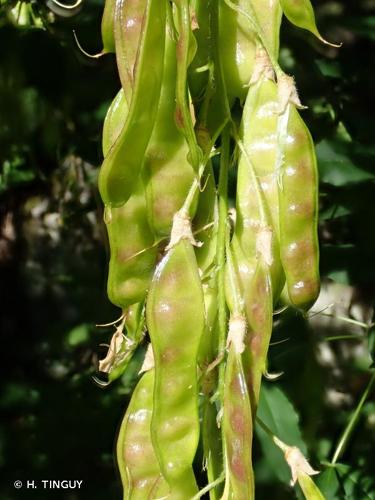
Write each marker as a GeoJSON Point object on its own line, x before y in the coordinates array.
{"type": "Point", "coordinates": [344, 337]}
{"type": "Point", "coordinates": [348, 320]}
{"type": "Point", "coordinates": [221, 247]}
{"type": "Point", "coordinates": [343, 441]}
{"type": "Point", "coordinates": [209, 487]}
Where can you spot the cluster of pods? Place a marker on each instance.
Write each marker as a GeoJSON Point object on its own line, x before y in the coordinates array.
{"type": "Point", "coordinates": [202, 93]}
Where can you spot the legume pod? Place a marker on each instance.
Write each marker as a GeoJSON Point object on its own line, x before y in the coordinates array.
{"type": "Point", "coordinates": [185, 51]}
{"type": "Point", "coordinates": [167, 172]}
{"type": "Point", "coordinates": [175, 317]}
{"type": "Point", "coordinates": [121, 167]}
{"type": "Point", "coordinates": [237, 429]}
{"type": "Point", "coordinates": [107, 27]}
{"type": "Point", "coordinates": [139, 469]}
{"type": "Point", "coordinates": [238, 38]}
{"type": "Point", "coordinates": [298, 193]}
{"type": "Point", "coordinates": [301, 14]}
{"type": "Point", "coordinates": [132, 255]}
{"type": "Point", "coordinates": [257, 214]}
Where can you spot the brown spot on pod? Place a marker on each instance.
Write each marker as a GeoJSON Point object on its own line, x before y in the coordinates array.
{"type": "Point", "coordinates": [302, 251]}
{"type": "Point", "coordinates": [237, 386]}
{"type": "Point", "coordinates": [238, 421]}
{"type": "Point", "coordinates": [169, 355]}
{"type": "Point", "coordinates": [237, 462]}
{"type": "Point", "coordinates": [305, 209]}
{"type": "Point", "coordinates": [179, 118]}
{"type": "Point", "coordinates": [256, 344]}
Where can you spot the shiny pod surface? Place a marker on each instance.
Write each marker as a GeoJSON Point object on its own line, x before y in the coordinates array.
{"type": "Point", "coordinates": [257, 182]}
{"type": "Point", "coordinates": [259, 309]}
{"type": "Point", "coordinates": [176, 319]}
{"type": "Point", "coordinates": [138, 465]}
{"type": "Point", "coordinates": [107, 27]}
{"type": "Point", "coordinates": [238, 39]}
{"type": "Point", "coordinates": [167, 172]}
{"type": "Point", "coordinates": [237, 429]}
{"type": "Point", "coordinates": [132, 255]}
{"type": "Point", "coordinates": [120, 170]}
{"type": "Point", "coordinates": [299, 212]}
{"type": "Point", "coordinates": [301, 14]}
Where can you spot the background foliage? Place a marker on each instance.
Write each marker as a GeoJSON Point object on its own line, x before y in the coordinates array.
{"type": "Point", "coordinates": [57, 423]}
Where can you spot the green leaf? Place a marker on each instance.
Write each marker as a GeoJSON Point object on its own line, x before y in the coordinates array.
{"type": "Point", "coordinates": [277, 412]}
{"type": "Point", "coordinates": [329, 68]}
{"type": "Point", "coordinates": [336, 167]}
{"type": "Point", "coordinates": [329, 483]}
{"type": "Point", "coordinates": [78, 335]}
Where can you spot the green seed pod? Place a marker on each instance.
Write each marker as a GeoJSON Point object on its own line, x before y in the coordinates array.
{"type": "Point", "coordinates": [298, 194]}
{"type": "Point", "coordinates": [131, 240]}
{"type": "Point", "coordinates": [237, 426]}
{"type": "Point", "coordinates": [120, 170]}
{"type": "Point", "coordinates": [212, 447]}
{"type": "Point", "coordinates": [139, 469]}
{"type": "Point", "coordinates": [185, 51]}
{"type": "Point", "coordinates": [128, 32]}
{"type": "Point", "coordinates": [259, 309]}
{"type": "Point", "coordinates": [205, 224]}
{"type": "Point", "coordinates": [167, 173]}
{"type": "Point", "coordinates": [114, 121]}
{"type": "Point", "coordinates": [175, 317]}
{"type": "Point", "coordinates": [133, 254]}
{"type": "Point", "coordinates": [107, 28]}
{"type": "Point", "coordinates": [237, 47]}
{"type": "Point", "coordinates": [301, 14]}
{"type": "Point", "coordinates": [239, 21]}
{"type": "Point", "coordinates": [257, 214]}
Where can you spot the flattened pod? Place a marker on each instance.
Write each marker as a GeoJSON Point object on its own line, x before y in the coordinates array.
{"type": "Point", "coordinates": [301, 14]}
{"type": "Point", "coordinates": [114, 121]}
{"type": "Point", "coordinates": [185, 51]}
{"type": "Point", "coordinates": [139, 469]}
{"type": "Point", "coordinates": [259, 309]}
{"type": "Point", "coordinates": [237, 39]}
{"type": "Point", "coordinates": [132, 259]}
{"type": "Point", "coordinates": [121, 167]}
{"type": "Point", "coordinates": [127, 32]}
{"type": "Point", "coordinates": [107, 28]}
{"type": "Point", "coordinates": [299, 212]}
{"type": "Point", "coordinates": [257, 181]}
{"type": "Point", "coordinates": [176, 319]}
{"type": "Point", "coordinates": [237, 47]}
{"type": "Point", "coordinates": [238, 429]}
{"type": "Point", "coordinates": [133, 256]}
{"type": "Point", "coordinates": [167, 172]}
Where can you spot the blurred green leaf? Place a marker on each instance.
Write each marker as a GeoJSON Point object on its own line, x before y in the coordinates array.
{"type": "Point", "coordinates": [329, 484]}
{"type": "Point", "coordinates": [78, 335]}
{"type": "Point", "coordinates": [336, 167]}
{"type": "Point", "coordinates": [277, 412]}
{"type": "Point", "coordinates": [329, 68]}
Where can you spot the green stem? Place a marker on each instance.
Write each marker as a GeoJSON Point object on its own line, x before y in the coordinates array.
{"type": "Point", "coordinates": [221, 246]}
{"type": "Point", "coordinates": [344, 337]}
{"type": "Point", "coordinates": [209, 487]}
{"type": "Point", "coordinates": [343, 441]}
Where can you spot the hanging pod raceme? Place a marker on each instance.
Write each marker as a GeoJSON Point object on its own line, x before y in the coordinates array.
{"type": "Point", "coordinates": [202, 93]}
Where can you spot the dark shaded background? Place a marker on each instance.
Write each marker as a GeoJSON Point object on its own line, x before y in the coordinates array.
{"type": "Point", "coordinates": [56, 423]}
